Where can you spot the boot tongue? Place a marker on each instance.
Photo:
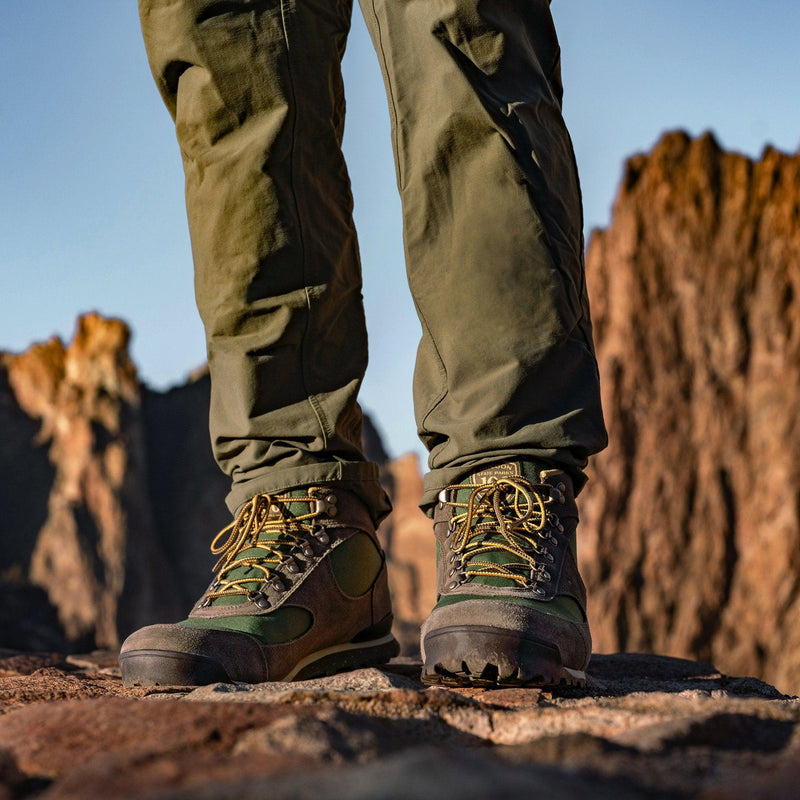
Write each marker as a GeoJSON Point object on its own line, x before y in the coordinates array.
{"type": "Point", "coordinates": [511, 470]}
{"type": "Point", "coordinates": [290, 509]}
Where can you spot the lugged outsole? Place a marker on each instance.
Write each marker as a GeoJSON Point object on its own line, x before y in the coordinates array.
{"type": "Point", "coordinates": [485, 657]}
{"type": "Point", "coordinates": [172, 668]}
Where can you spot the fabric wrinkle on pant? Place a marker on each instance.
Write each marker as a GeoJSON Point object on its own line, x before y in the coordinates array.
{"type": "Point", "coordinates": [492, 229]}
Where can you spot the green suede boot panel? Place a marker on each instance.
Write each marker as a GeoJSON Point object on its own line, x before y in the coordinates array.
{"type": "Point", "coordinates": [564, 607]}
{"type": "Point", "coordinates": [278, 627]}
{"type": "Point", "coordinates": [356, 563]}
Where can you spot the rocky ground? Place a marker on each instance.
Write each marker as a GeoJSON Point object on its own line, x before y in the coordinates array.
{"type": "Point", "coordinates": [646, 726]}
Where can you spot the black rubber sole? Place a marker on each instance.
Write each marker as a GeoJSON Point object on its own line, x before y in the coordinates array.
{"type": "Point", "coordinates": [168, 668]}
{"type": "Point", "coordinates": [172, 668]}
{"type": "Point", "coordinates": [480, 656]}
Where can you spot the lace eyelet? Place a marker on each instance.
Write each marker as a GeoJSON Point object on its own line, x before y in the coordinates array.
{"type": "Point", "coordinates": [320, 535]}
{"type": "Point", "coordinates": [290, 565]}
{"type": "Point", "coordinates": [325, 506]}
{"type": "Point", "coordinates": [258, 599]}
{"type": "Point", "coordinates": [453, 585]}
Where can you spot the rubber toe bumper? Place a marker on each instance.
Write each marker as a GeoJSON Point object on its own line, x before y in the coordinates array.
{"type": "Point", "coordinates": [472, 655]}
{"type": "Point", "coordinates": [173, 655]}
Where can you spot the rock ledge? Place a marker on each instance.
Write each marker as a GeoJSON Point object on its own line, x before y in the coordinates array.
{"type": "Point", "coordinates": [645, 726]}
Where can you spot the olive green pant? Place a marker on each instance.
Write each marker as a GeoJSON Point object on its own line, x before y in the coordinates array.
{"type": "Point", "coordinates": [492, 220]}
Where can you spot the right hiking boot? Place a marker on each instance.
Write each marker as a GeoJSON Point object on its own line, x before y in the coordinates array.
{"type": "Point", "coordinates": [300, 591]}
{"type": "Point", "coordinates": [511, 603]}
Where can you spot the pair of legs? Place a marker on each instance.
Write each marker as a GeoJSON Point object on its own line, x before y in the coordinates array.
{"type": "Point", "coordinates": [492, 226]}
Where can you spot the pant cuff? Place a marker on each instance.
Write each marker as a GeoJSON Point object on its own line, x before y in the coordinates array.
{"type": "Point", "coordinates": [438, 479]}
{"type": "Point", "coordinates": [363, 479]}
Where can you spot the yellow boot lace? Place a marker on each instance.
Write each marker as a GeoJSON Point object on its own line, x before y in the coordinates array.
{"type": "Point", "coordinates": [266, 540]}
{"type": "Point", "coordinates": [510, 519]}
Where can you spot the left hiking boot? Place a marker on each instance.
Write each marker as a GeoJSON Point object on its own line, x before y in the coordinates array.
{"type": "Point", "coordinates": [511, 607]}
{"type": "Point", "coordinates": [300, 591]}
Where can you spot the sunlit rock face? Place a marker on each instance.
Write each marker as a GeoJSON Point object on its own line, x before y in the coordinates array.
{"type": "Point", "coordinates": [79, 523]}
{"type": "Point", "coordinates": [691, 538]}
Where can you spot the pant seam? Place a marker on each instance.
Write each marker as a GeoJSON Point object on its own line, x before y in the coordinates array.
{"type": "Point", "coordinates": [301, 240]}
{"type": "Point", "coordinates": [442, 369]}
{"type": "Point", "coordinates": [390, 92]}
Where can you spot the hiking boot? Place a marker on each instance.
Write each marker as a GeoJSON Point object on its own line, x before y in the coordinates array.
{"type": "Point", "coordinates": [300, 591]}
{"type": "Point", "coordinates": [511, 608]}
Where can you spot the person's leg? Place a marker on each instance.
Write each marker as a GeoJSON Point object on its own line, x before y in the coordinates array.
{"type": "Point", "coordinates": [493, 234]}
{"type": "Point", "coordinates": [506, 377]}
{"type": "Point", "coordinates": [255, 90]}
{"type": "Point", "coordinates": [300, 587]}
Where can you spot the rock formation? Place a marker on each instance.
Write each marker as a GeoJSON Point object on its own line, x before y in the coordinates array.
{"type": "Point", "coordinates": [691, 535]}
{"type": "Point", "coordinates": [186, 489]}
{"type": "Point", "coordinates": [80, 529]}
{"type": "Point", "coordinates": [690, 539]}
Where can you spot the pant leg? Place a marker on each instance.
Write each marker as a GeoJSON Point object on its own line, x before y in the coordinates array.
{"type": "Point", "coordinates": [254, 87]}
{"type": "Point", "coordinates": [493, 234]}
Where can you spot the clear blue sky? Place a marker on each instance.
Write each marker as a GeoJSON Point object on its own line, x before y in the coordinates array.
{"type": "Point", "coordinates": [91, 195]}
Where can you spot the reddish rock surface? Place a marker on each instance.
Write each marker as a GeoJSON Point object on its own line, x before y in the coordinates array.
{"type": "Point", "coordinates": [691, 520]}
{"type": "Point", "coordinates": [645, 727]}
